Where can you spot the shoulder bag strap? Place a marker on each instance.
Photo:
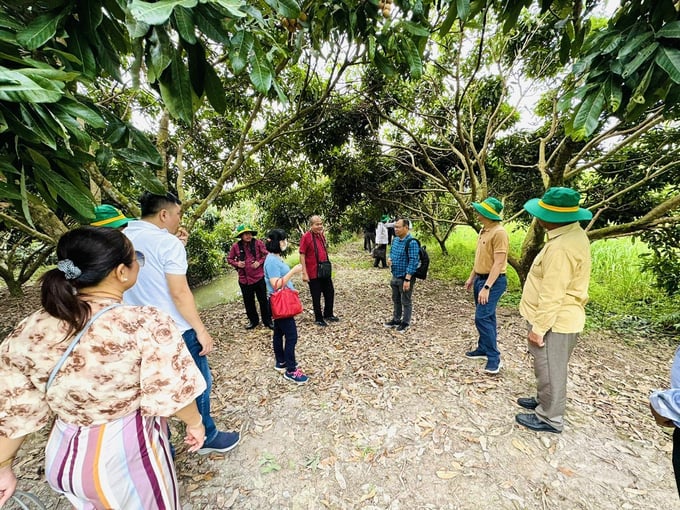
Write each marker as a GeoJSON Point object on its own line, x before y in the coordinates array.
{"type": "Point", "coordinates": [74, 342]}
{"type": "Point", "coordinates": [316, 250]}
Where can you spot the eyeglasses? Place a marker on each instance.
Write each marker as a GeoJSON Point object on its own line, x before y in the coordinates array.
{"type": "Point", "coordinates": [140, 258]}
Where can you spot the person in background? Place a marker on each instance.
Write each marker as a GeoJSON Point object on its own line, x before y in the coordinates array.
{"type": "Point", "coordinates": [369, 236]}
{"type": "Point", "coordinates": [247, 256]}
{"type": "Point", "coordinates": [553, 303]}
{"type": "Point", "coordinates": [163, 283]}
{"type": "Point", "coordinates": [665, 407]}
{"type": "Point", "coordinates": [402, 264]}
{"type": "Point", "coordinates": [277, 274]}
{"type": "Point", "coordinates": [488, 281]}
{"type": "Point", "coordinates": [109, 373]}
{"type": "Point", "coordinates": [382, 239]}
{"type": "Point", "coordinates": [314, 249]}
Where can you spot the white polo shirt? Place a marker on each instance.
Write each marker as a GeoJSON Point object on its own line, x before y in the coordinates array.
{"type": "Point", "coordinates": [164, 254]}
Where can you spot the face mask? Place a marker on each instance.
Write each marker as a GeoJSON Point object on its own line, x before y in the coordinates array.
{"type": "Point", "coordinates": [283, 245]}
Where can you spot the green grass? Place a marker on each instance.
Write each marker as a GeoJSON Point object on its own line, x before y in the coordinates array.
{"type": "Point", "coordinates": [622, 297]}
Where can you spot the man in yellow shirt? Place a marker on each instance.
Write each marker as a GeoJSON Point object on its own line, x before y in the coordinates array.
{"type": "Point", "coordinates": [553, 303]}
{"type": "Point", "coordinates": [487, 280]}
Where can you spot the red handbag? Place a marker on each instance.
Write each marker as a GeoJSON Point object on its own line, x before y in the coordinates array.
{"type": "Point", "coordinates": [285, 303]}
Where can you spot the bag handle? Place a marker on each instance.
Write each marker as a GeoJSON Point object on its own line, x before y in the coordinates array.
{"type": "Point", "coordinates": [73, 344]}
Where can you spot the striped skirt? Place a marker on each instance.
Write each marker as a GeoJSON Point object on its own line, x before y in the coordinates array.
{"type": "Point", "coordinates": [124, 464]}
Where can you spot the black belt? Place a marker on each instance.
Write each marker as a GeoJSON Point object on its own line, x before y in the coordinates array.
{"type": "Point", "coordinates": [485, 276]}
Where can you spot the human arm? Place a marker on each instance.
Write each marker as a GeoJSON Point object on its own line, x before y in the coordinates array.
{"type": "Point", "coordinates": [278, 282]}
{"type": "Point", "coordinates": [498, 263]}
{"type": "Point", "coordinates": [234, 259]}
{"type": "Point", "coordinates": [303, 268]}
{"type": "Point", "coordinates": [660, 420]}
{"type": "Point", "coordinates": [195, 431]}
{"type": "Point", "coordinates": [8, 481]}
{"type": "Point", "coordinates": [184, 301]}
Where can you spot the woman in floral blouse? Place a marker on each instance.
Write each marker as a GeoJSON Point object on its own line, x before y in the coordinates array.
{"type": "Point", "coordinates": [109, 445]}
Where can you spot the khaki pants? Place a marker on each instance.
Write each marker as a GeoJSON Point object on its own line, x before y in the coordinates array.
{"type": "Point", "coordinates": [550, 367]}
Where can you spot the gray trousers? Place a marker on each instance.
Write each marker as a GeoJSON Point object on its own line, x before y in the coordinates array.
{"type": "Point", "coordinates": [550, 367]}
{"type": "Point", "coordinates": [402, 300]}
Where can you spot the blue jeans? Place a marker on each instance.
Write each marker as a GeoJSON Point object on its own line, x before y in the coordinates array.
{"type": "Point", "coordinates": [203, 400]}
{"type": "Point", "coordinates": [485, 316]}
{"type": "Point", "coordinates": [403, 305]}
{"type": "Point", "coordinates": [288, 329]}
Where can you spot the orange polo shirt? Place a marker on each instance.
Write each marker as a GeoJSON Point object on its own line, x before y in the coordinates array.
{"type": "Point", "coordinates": [492, 240]}
{"type": "Point", "coordinates": [556, 291]}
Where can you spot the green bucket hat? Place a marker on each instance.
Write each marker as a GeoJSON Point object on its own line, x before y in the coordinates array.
{"type": "Point", "coordinates": [558, 205]}
{"type": "Point", "coordinates": [385, 218]}
{"type": "Point", "coordinates": [489, 208]}
{"type": "Point", "coordinates": [242, 229]}
{"type": "Point", "coordinates": [108, 216]}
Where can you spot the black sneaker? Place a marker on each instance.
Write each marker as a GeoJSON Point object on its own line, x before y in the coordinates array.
{"type": "Point", "coordinates": [332, 318]}
{"type": "Point", "coordinates": [323, 324]}
{"type": "Point", "coordinates": [476, 354]}
{"type": "Point", "coordinates": [392, 324]}
{"type": "Point", "coordinates": [401, 328]}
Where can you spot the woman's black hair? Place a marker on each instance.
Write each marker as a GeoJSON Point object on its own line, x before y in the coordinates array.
{"type": "Point", "coordinates": [274, 238]}
{"type": "Point", "coordinates": [95, 252]}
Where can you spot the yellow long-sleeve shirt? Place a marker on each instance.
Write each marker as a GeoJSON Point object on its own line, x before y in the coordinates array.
{"type": "Point", "coordinates": [556, 291]}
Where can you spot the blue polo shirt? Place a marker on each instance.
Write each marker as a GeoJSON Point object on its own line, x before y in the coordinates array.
{"type": "Point", "coordinates": [401, 266]}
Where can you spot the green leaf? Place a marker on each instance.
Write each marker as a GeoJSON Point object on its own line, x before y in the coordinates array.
{"type": "Point", "coordinates": [147, 179]}
{"type": "Point", "coordinates": [90, 15]}
{"type": "Point", "coordinates": [157, 13]}
{"type": "Point", "coordinates": [670, 30]}
{"type": "Point", "coordinates": [81, 111]}
{"type": "Point", "coordinates": [416, 29]}
{"type": "Point", "coordinates": [451, 16]}
{"type": "Point", "coordinates": [211, 26]}
{"type": "Point", "coordinates": [260, 70]}
{"type": "Point", "coordinates": [412, 56]}
{"type": "Point", "coordinates": [159, 56]}
{"type": "Point", "coordinates": [214, 90]}
{"type": "Point", "coordinates": [233, 7]}
{"type": "Point", "coordinates": [286, 8]}
{"type": "Point", "coordinates": [137, 29]}
{"type": "Point", "coordinates": [634, 45]}
{"type": "Point", "coordinates": [643, 55]}
{"type": "Point", "coordinates": [184, 22]}
{"type": "Point", "coordinates": [463, 8]}
{"type": "Point", "coordinates": [45, 135]}
{"type": "Point", "coordinates": [7, 193]}
{"type": "Point", "coordinates": [17, 88]}
{"type": "Point", "coordinates": [24, 198]}
{"type": "Point", "coordinates": [39, 31]}
{"type": "Point", "coordinates": [241, 46]}
{"type": "Point", "coordinates": [615, 95]}
{"type": "Point", "coordinates": [141, 142]}
{"type": "Point", "coordinates": [79, 46]}
{"type": "Point", "coordinates": [587, 117]}
{"type": "Point", "coordinates": [638, 95]}
{"type": "Point", "coordinates": [80, 202]}
{"type": "Point", "coordinates": [668, 59]}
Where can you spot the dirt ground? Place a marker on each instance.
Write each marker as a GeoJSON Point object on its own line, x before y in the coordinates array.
{"type": "Point", "coordinates": [391, 421]}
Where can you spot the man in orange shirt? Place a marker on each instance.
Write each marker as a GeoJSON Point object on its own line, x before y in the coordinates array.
{"type": "Point", "coordinates": [488, 280]}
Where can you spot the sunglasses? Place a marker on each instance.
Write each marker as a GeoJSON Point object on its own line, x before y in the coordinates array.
{"type": "Point", "coordinates": [140, 258]}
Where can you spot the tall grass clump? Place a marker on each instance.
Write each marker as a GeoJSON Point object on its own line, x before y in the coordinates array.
{"type": "Point", "coordinates": [622, 296]}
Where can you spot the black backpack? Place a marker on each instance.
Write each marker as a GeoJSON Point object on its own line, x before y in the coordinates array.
{"type": "Point", "coordinates": [424, 263]}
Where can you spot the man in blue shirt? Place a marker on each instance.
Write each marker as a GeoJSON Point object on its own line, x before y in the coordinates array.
{"type": "Point", "coordinates": [403, 264]}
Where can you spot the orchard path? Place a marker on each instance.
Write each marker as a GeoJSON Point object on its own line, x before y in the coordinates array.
{"type": "Point", "coordinates": [392, 421]}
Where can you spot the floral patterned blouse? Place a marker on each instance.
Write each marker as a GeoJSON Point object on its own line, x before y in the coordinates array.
{"type": "Point", "coordinates": [131, 357]}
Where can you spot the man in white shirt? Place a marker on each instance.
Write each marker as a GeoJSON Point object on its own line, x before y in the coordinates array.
{"type": "Point", "coordinates": [163, 284]}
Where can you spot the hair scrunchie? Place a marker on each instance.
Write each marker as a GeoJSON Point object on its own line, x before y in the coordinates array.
{"type": "Point", "coordinates": [70, 270]}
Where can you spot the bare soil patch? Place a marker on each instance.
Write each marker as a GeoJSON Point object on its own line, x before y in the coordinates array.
{"type": "Point", "coordinates": [392, 421]}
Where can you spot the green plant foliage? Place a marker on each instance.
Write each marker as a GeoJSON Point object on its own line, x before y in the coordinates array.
{"type": "Point", "coordinates": [205, 252]}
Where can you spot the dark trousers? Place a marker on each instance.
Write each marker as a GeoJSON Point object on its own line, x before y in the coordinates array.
{"type": "Point", "coordinates": [369, 241]}
{"type": "Point", "coordinates": [285, 328]}
{"type": "Point", "coordinates": [317, 287]}
{"type": "Point", "coordinates": [381, 250]}
{"type": "Point", "coordinates": [676, 457]}
{"type": "Point", "coordinates": [249, 292]}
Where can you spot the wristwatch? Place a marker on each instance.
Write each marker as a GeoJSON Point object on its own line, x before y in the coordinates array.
{"type": "Point", "coordinates": [487, 287]}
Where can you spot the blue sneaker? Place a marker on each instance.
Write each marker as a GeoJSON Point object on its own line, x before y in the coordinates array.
{"type": "Point", "coordinates": [223, 442]}
{"type": "Point", "coordinates": [476, 354]}
{"type": "Point", "coordinates": [282, 367]}
{"type": "Point", "coordinates": [298, 377]}
{"type": "Point", "coordinates": [493, 367]}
